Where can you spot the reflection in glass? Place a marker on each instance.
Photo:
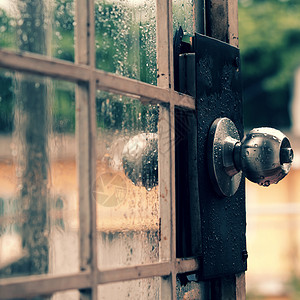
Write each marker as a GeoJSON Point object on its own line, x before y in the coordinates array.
{"type": "Point", "coordinates": [65, 295]}
{"type": "Point", "coordinates": [39, 26]}
{"type": "Point", "coordinates": [38, 206]}
{"type": "Point", "coordinates": [126, 188]}
{"type": "Point", "coordinates": [188, 287]}
{"type": "Point", "coordinates": [183, 15]}
{"type": "Point", "coordinates": [126, 38]}
{"type": "Point", "coordinates": [144, 289]}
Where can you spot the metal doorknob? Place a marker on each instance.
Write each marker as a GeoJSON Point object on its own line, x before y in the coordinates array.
{"type": "Point", "coordinates": [264, 156]}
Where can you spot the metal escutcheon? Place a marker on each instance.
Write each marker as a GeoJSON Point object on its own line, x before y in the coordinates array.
{"type": "Point", "coordinates": [223, 136]}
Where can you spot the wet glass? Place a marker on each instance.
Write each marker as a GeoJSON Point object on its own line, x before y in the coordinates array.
{"type": "Point", "coordinates": [183, 15]}
{"type": "Point", "coordinates": [65, 295]}
{"type": "Point", "coordinates": [126, 188]}
{"type": "Point", "coordinates": [38, 26]}
{"type": "Point", "coordinates": [148, 288]}
{"type": "Point", "coordinates": [188, 287]}
{"type": "Point", "coordinates": [38, 194]}
{"type": "Point", "coordinates": [126, 38]}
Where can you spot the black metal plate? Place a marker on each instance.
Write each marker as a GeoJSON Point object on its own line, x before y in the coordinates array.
{"type": "Point", "coordinates": [223, 219]}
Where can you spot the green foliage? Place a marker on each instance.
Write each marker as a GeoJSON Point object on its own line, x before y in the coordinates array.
{"type": "Point", "coordinates": [7, 30]}
{"type": "Point", "coordinates": [269, 33]}
{"type": "Point", "coordinates": [6, 104]}
{"type": "Point", "coordinates": [63, 108]}
{"type": "Point", "coordinates": [294, 288]}
{"type": "Point", "coordinates": [63, 30]}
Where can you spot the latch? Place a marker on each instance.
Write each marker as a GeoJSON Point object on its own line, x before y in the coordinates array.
{"type": "Point", "coordinates": [184, 63]}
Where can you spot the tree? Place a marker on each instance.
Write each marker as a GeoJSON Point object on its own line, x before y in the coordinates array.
{"type": "Point", "coordinates": [270, 51]}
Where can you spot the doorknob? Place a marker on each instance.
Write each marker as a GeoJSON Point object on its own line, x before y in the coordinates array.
{"type": "Point", "coordinates": [264, 156]}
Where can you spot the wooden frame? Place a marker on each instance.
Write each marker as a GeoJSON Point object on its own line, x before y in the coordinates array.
{"type": "Point", "coordinates": [88, 79]}
{"type": "Point", "coordinates": [46, 284]}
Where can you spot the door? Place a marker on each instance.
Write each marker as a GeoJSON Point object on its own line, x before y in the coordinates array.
{"type": "Point", "coordinates": [88, 183]}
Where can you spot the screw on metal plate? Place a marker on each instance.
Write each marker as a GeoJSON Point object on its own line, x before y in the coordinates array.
{"type": "Point", "coordinates": [264, 156]}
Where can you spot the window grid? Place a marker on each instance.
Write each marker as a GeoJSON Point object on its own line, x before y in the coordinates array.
{"type": "Point", "coordinates": [47, 284]}
{"type": "Point", "coordinates": [55, 68]}
{"type": "Point", "coordinates": [88, 79]}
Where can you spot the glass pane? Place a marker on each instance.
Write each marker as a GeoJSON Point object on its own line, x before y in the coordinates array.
{"type": "Point", "coordinates": [126, 188]}
{"type": "Point", "coordinates": [44, 27]}
{"type": "Point", "coordinates": [66, 295]}
{"type": "Point", "coordinates": [148, 288]}
{"type": "Point", "coordinates": [38, 195]}
{"type": "Point", "coordinates": [183, 15]}
{"type": "Point", "coordinates": [126, 38]}
{"type": "Point", "coordinates": [188, 287]}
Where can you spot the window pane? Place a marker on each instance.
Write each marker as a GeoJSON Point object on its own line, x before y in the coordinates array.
{"type": "Point", "coordinates": [38, 195]}
{"type": "Point", "coordinates": [183, 15]}
{"type": "Point", "coordinates": [66, 295]}
{"type": "Point", "coordinates": [126, 189]}
{"type": "Point", "coordinates": [126, 38]}
{"type": "Point", "coordinates": [148, 288]}
{"type": "Point", "coordinates": [188, 287]}
{"type": "Point", "coordinates": [39, 26]}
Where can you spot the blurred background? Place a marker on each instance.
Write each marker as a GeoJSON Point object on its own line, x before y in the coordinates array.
{"type": "Point", "coordinates": [269, 33]}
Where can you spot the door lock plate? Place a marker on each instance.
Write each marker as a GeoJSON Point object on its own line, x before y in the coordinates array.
{"type": "Point", "coordinates": [223, 218]}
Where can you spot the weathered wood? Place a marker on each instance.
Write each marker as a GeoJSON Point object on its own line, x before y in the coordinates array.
{"type": "Point", "coordinates": [233, 29]}
{"type": "Point", "coordinates": [147, 92]}
{"type": "Point", "coordinates": [134, 272]}
{"type": "Point", "coordinates": [164, 177]}
{"type": "Point", "coordinates": [165, 80]}
{"type": "Point", "coordinates": [44, 284]}
{"type": "Point", "coordinates": [222, 20]}
{"type": "Point", "coordinates": [32, 286]}
{"type": "Point", "coordinates": [56, 68]}
{"type": "Point", "coordinates": [164, 41]}
{"type": "Point", "coordinates": [85, 138]}
{"type": "Point", "coordinates": [187, 265]}
{"type": "Point", "coordinates": [240, 286]}
{"type": "Point", "coordinates": [41, 65]}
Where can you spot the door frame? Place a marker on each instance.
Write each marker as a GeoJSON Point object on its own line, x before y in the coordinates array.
{"type": "Point", "coordinates": [207, 19]}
